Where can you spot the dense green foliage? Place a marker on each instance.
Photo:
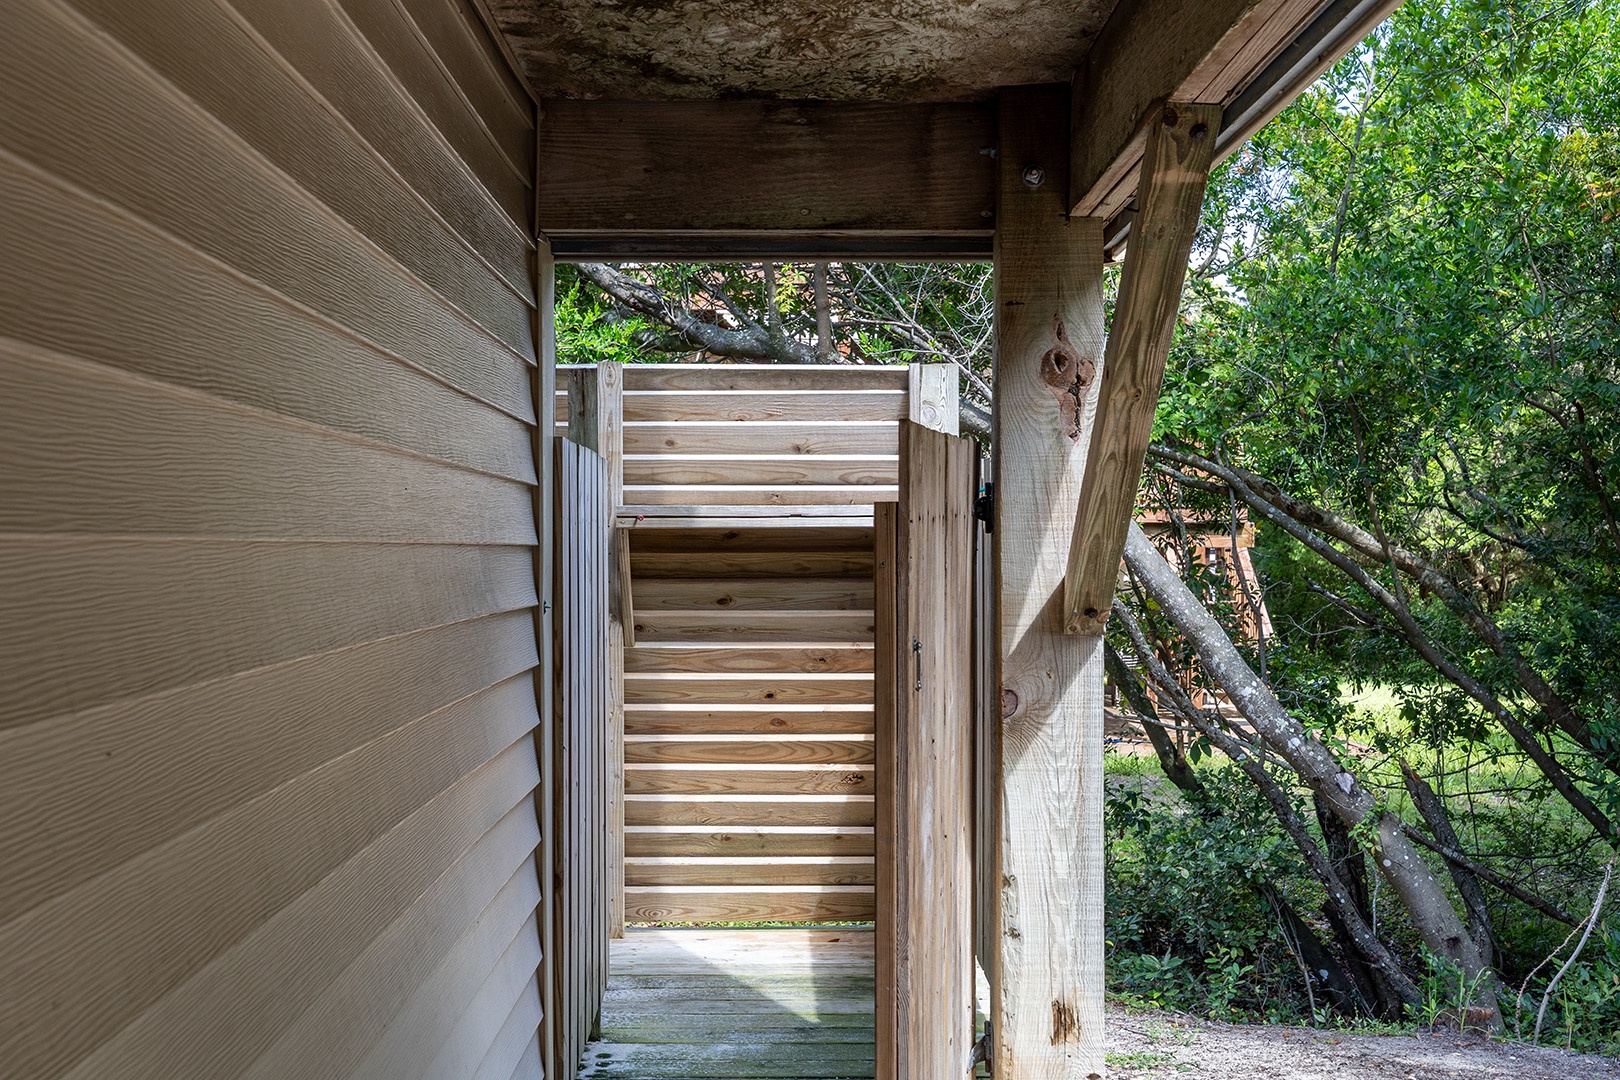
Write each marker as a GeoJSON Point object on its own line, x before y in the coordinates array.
{"type": "Point", "coordinates": [1412, 315]}
{"type": "Point", "coordinates": [1406, 310]}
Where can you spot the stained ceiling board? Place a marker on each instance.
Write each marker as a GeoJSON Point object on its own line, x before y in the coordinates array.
{"type": "Point", "coordinates": [828, 50]}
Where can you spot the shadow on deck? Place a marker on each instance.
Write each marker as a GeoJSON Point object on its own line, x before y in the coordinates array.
{"type": "Point", "coordinates": [737, 1005]}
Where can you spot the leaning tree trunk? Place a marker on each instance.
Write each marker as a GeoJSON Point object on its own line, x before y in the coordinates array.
{"type": "Point", "coordinates": [1396, 858]}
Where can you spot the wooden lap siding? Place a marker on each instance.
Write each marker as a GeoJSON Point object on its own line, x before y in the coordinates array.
{"type": "Point", "coordinates": [267, 521]}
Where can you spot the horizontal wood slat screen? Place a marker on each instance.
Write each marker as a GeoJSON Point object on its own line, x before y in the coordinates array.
{"type": "Point", "coordinates": [267, 753]}
{"type": "Point", "coordinates": [805, 441]}
{"type": "Point", "coordinates": [748, 741]}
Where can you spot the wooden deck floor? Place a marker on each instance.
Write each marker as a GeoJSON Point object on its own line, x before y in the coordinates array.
{"type": "Point", "coordinates": [737, 1005]}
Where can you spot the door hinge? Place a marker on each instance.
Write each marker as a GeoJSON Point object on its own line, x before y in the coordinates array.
{"type": "Point", "coordinates": [982, 1050]}
{"type": "Point", "coordinates": [984, 507]}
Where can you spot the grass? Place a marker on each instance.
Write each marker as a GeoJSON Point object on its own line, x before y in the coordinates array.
{"type": "Point", "coordinates": [1138, 1059]}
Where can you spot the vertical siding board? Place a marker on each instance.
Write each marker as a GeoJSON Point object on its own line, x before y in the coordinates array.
{"type": "Point", "coordinates": [288, 259]}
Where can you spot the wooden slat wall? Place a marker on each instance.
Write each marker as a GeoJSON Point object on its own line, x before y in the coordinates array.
{"type": "Point", "coordinates": [749, 743]}
{"type": "Point", "coordinates": [803, 439]}
{"type": "Point", "coordinates": [267, 494]}
{"type": "Point", "coordinates": [585, 853]}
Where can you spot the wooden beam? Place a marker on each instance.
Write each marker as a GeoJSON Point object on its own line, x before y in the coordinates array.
{"type": "Point", "coordinates": [684, 178]}
{"type": "Point", "coordinates": [1179, 146]}
{"type": "Point", "coordinates": [1152, 51]}
{"type": "Point", "coordinates": [1047, 996]}
{"type": "Point", "coordinates": [933, 399]}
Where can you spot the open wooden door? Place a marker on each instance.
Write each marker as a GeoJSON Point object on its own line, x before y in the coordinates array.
{"type": "Point", "coordinates": [925, 753]}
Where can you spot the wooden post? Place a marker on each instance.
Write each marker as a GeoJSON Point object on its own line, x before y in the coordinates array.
{"type": "Point", "coordinates": [596, 421]}
{"type": "Point", "coordinates": [932, 397]}
{"type": "Point", "coordinates": [1178, 148]}
{"type": "Point", "coordinates": [1047, 997]}
{"type": "Point", "coordinates": [544, 381]}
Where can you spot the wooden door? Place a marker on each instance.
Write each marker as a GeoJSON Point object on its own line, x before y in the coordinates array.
{"type": "Point", "coordinates": [925, 741]}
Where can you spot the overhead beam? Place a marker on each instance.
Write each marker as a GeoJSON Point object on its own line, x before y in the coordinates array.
{"type": "Point", "coordinates": [1178, 147]}
{"type": "Point", "coordinates": [689, 179]}
{"type": "Point", "coordinates": [1254, 56]}
{"type": "Point", "coordinates": [1047, 977]}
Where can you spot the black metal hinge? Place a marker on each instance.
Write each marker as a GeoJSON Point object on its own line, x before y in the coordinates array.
{"type": "Point", "coordinates": [982, 1050]}
{"type": "Point", "coordinates": [984, 507]}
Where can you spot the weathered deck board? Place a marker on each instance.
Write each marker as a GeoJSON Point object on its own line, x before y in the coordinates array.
{"type": "Point", "coordinates": [737, 1005]}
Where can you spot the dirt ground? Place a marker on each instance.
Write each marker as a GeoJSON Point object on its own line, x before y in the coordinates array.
{"type": "Point", "coordinates": [1159, 1046]}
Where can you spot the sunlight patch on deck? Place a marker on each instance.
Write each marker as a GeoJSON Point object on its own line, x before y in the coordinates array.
{"type": "Point", "coordinates": [737, 1005]}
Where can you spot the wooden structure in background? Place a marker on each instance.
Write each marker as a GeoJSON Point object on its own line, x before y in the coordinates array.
{"type": "Point", "coordinates": [279, 770]}
{"type": "Point", "coordinates": [747, 699]}
{"type": "Point", "coordinates": [582, 747]}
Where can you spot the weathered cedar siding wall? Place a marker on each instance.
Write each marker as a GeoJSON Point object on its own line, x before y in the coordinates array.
{"type": "Point", "coordinates": [266, 524]}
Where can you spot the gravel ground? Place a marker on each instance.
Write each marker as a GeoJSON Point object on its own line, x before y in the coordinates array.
{"type": "Point", "coordinates": [1158, 1046]}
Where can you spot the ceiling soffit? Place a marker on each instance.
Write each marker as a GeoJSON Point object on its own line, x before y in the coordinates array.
{"type": "Point", "coordinates": [831, 50]}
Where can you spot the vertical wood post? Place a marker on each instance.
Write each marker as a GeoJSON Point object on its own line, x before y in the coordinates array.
{"type": "Point", "coordinates": [932, 397]}
{"type": "Point", "coordinates": [545, 411]}
{"type": "Point", "coordinates": [885, 516]}
{"type": "Point", "coordinates": [1047, 997]}
{"type": "Point", "coordinates": [596, 421]}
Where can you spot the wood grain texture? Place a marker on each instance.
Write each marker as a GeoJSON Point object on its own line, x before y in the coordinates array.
{"type": "Point", "coordinates": [143, 318]}
{"type": "Point", "coordinates": [656, 536]}
{"type": "Point", "coordinates": [885, 821]}
{"type": "Point", "coordinates": [776, 403]}
{"type": "Point", "coordinates": [582, 904]}
{"type": "Point", "coordinates": [735, 564]}
{"type": "Point", "coordinates": [926, 724]}
{"type": "Point", "coordinates": [490, 142]}
{"type": "Point", "coordinates": [933, 399]}
{"type": "Point", "coordinates": [708, 778]}
{"type": "Point", "coordinates": [766, 658]}
{"type": "Point", "coordinates": [743, 719]}
{"type": "Point", "coordinates": [185, 963]}
{"type": "Point", "coordinates": [66, 816]}
{"type": "Point", "coordinates": [812, 627]}
{"type": "Point", "coordinates": [612, 167]}
{"type": "Point", "coordinates": [268, 102]}
{"type": "Point", "coordinates": [748, 903]}
{"type": "Point", "coordinates": [761, 437]}
{"type": "Point", "coordinates": [750, 749]}
{"type": "Point", "coordinates": [759, 689]}
{"type": "Point", "coordinates": [1047, 996]}
{"type": "Point", "coordinates": [266, 402]}
{"type": "Point", "coordinates": [778, 840]}
{"type": "Point", "coordinates": [645, 495]}
{"type": "Point", "coordinates": [161, 160]}
{"type": "Point", "coordinates": [1152, 51]}
{"type": "Point", "coordinates": [757, 469]}
{"type": "Point", "coordinates": [731, 870]}
{"type": "Point", "coordinates": [756, 377]}
{"type": "Point", "coordinates": [748, 811]}
{"type": "Point", "coordinates": [1180, 144]}
{"type": "Point", "coordinates": [160, 614]}
{"type": "Point", "coordinates": [409, 988]}
{"type": "Point", "coordinates": [143, 458]}
{"type": "Point", "coordinates": [656, 594]}
{"type": "Point", "coordinates": [543, 385]}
